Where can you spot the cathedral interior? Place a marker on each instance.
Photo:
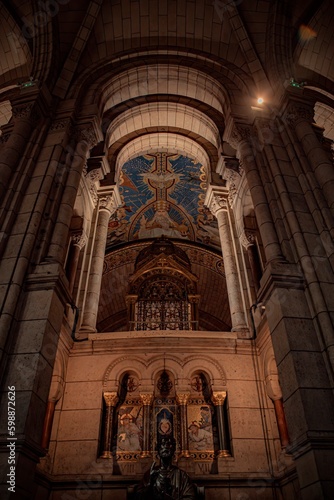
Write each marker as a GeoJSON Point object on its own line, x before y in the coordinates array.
{"type": "Point", "coordinates": [166, 246]}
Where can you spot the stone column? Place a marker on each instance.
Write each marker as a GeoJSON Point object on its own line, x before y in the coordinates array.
{"type": "Point", "coordinates": [78, 241]}
{"type": "Point", "coordinates": [147, 400]}
{"type": "Point", "coordinates": [247, 240]}
{"type": "Point", "coordinates": [240, 137]}
{"type": "Point", "coordinates": [109, 200]}
{"type": "Point", "coordinates": [110, 399]}
{"type": "Point", "coordinates": [86, 137]}
{"type": "Point", "coordinates": [216, 201]}
{"type": "Point", "coordinates": [182, 399]}
{"type": "Point", "coordinates": [218, 399]}
{"type": "Point", "coordinates": [300, 116]}
{"type": "Point", "coordinates": [15, 137]}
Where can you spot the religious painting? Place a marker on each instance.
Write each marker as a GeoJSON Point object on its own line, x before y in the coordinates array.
{"type": "Point", "coordinates": [200, 427]}
{"type": "Point", "coordinates": [164, 423]}
{"type": "Point", "coordinates": [163, 194]}
{"type": "Point", "coordinates": [130, 428]}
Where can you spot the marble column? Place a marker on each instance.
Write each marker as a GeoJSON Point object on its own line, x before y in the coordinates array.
{"type": "Point", "coordinates": [110, 399]}
{"type": "Point", "coordinates": [216, 201]}
{"type": "Point", "coordinates": [109, 200]}
{"type": "Point", "coordinates": [146, 400]}
{"type": "Point", "coordinates": [182, 399]}
{"type": "Point", "coordinates": [218, 399]}
{"type": "Point", "coordinates": [247, 240]}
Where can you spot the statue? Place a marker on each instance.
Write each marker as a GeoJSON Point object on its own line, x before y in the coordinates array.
{"type": "Point", "coordinates": [166, 482]}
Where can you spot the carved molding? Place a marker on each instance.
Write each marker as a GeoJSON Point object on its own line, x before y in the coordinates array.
{"type": "Point", "coordinates": [218, 398]}
{"type": "Point", "coordinates": [240, 133]}
{"type": "Point", "coordinates": [60, 124]}
{"type": "Point", "coordinates": [110, 398]}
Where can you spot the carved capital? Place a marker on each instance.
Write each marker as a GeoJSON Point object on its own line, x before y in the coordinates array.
{"type": "Point", "coordinates": [182, 397]}
{"type": "Point", "coordinates": [110, 398]}
{"type": "Point", "coordinates": [22, 110]}
{"type": "Point", "coordinates": [247, 238]}
{"type": "Point", "coordinates": [218, 204]}
{"type": "Point", "coordinates": [218, 398]}
{"type": "Point", "coordinates": [299, 112]}
{"type": "Point", "coordinates": [86, 135]}
{"type": "Point", "coordinates": [79, 239]}
{"type": "Point", "coordinates": [146, 398]}
{"type": "Point", "coordinates": [107, 203]}
{"type": "Point", "coordinates": [240, 133]}
{"type": "Point", "coordinates": [61, 124]}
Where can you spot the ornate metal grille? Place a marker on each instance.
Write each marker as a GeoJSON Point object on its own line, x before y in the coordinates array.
{"type": "Point", "coordinates": [162, 305]}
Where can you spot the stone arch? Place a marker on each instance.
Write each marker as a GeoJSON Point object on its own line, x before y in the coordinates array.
{"type": "Point", "coordinates": [214, 370]}
{"type": "Point", "coordinates": [135, 363]}
{"type": "Point", "coordinates": [163, 141]}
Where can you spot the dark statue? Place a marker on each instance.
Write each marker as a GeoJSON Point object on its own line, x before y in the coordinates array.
{"type": "Point", "coordinates": [166, 482]}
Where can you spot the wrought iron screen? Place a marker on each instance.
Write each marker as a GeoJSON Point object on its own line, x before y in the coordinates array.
{"type": "Point", "coordinates": [162, 305]}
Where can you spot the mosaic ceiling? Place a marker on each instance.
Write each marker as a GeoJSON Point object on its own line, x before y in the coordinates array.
{"type": "Point", "coordinates": [163, 194]}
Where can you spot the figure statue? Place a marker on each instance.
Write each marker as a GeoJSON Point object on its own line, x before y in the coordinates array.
{"type": "Point", "coordinates": [166, 482]}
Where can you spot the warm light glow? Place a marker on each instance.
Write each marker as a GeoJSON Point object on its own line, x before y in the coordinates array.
{"type": "Point", "coordinates": [260, 100]}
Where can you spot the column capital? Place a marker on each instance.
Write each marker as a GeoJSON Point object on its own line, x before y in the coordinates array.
{"type": "Point", "coordinates": [247, 238]}
{"type": "Point", "coordinates": [182, 397]}
{"type": "Point", "coordinates": [218, 398]}
{"type": "Point", "coordinates": [299, 111]}
{"type": "Point", "coordinates": [109, 199]}
{"type": "Point", "coordinates": [110, 398]}
{"type": "Point", "coordinates": [238, 133]}
{"type": "Point", "coordinates": [79, 239]}
{"type": "Point", "coordinates": [146, 398]}
{"type": "Point", "coordinates": [216, 199]}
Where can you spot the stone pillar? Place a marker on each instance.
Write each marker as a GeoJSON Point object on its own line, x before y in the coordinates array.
{"type": "Point", "coordinates": [216, 201]}
{"type": "Point", "coordinates": [131, 307]}
{"type": "Point", "coordinates": [300, 116]}
{"type": "Point", "coordinates": [247, 240]}
{"type": "Point", "coordinates": [218, 399]}
{"type": "Point", "coordinates": [15, 137]}
{"type": "Point", "coordinates": [110, 399]}
{"type": "Point", "coordinates": [147, 400]}
{"type": "Point", "coordinates": [86, 137]}
{"type": "Point", "coordinates": [182, 399]}
{"type": "Point", "coordinates": [109, 200]}
{"type": "Point", "coordinates": [240, 137]}
{"type": "Point", "coordinates": [78, 241]}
